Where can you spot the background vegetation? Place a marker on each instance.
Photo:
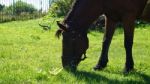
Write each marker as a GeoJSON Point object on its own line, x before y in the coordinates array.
{"type": "Point", "coordinates": [60, 8]}
{"type": "Point", "coordinates": [1, 7]}
{"type": "Point", "coordinates": [19, 11]}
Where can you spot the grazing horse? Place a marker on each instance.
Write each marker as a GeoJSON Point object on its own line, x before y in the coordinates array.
{"type": "Point", "coordinates": [83, 13]}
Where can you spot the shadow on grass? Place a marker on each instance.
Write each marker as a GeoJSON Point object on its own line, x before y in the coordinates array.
{"type": "Point", "coordinates": [91, 77]}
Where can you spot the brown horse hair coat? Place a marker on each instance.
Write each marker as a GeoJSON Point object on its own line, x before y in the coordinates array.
{"type": "Point", "coordinates": [83, 13]}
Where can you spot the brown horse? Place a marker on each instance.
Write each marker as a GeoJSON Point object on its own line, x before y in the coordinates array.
{"type": "Point", "coordinates": [83, 14]}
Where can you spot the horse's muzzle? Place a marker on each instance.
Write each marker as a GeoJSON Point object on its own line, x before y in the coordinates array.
{"type": "Point", "coordinates": [70, 63]}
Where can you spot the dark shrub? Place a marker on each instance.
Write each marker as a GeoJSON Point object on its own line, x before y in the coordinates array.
{"type": "Point", "coordinates": [1, 7]}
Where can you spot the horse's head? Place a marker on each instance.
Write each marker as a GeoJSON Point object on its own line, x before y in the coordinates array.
{"type": "Point", "coordinates": [74, 43]}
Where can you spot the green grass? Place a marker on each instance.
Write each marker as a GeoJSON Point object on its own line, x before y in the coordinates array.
{"type": "Point", "coordinates": [30, 55]}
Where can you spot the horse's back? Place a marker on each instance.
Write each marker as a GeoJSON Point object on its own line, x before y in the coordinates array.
{"type": "Point", "coordinates": [125, 7]}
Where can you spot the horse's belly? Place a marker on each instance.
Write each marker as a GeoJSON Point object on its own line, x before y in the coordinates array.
{"type": "Point", "coordinates": [146, 12]}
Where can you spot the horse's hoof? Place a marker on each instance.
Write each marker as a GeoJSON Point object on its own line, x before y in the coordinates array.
{"type": "Point", "coordinates": [98, 68]}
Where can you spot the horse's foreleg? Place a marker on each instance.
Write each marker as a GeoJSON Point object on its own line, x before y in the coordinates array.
{"type": "Point", "coordinates": [128, 42]}
{"type": "Point", "coordinates": [109, 31]}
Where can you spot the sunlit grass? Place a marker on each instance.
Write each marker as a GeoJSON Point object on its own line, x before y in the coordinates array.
{"type": "Point", "coordinates": [30, 55]}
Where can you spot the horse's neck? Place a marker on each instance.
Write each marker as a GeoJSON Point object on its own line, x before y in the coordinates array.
{"type": "Point", "coordinates": [71, 13]}
{"type": "Point", "coordinates": [84, 13]}
{"type": "Point", "coordinates": [72, 19]}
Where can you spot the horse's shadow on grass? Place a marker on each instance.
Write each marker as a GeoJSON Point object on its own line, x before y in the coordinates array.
{"type": "Point", "coordinates": [91, 77]}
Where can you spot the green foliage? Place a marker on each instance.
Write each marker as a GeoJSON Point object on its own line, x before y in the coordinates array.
{"type": "Point", "coordinates": [20, 7]}
{"type": "Point", "coordinates": [60, 7]}
{"type": "Point", "coordinates": [29, 55]}
{"type": "Point", "coordinates": [19, 11]}
{"type": "Point", "coordinates": [1, 7]}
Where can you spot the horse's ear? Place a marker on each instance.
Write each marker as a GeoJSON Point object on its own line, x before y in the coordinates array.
{"type": "Point", "coordinates": [61, 26]}
{"type": "Point", "coordinates": [61, 29]}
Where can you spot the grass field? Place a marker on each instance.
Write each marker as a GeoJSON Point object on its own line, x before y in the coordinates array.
{"type": "Point", "coordinates": [30, 55]}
